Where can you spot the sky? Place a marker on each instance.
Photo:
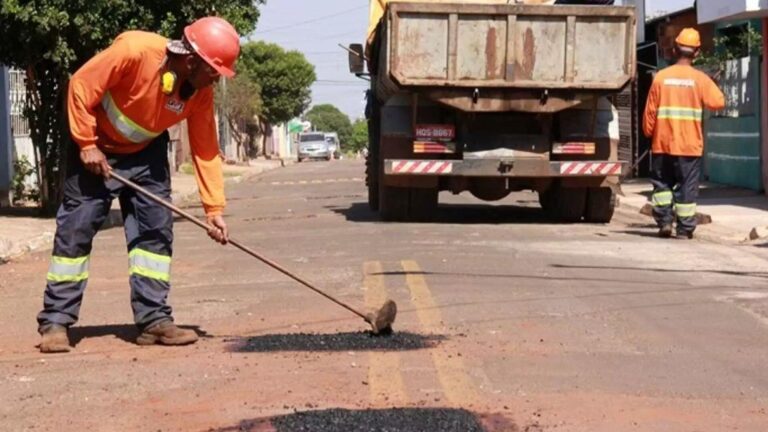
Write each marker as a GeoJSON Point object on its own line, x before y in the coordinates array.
{"type": "Point", "coordinates": [316, 27]}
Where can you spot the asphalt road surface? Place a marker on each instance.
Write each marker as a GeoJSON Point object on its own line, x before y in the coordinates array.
{"type": "Point", "coordinates": [507, 322]}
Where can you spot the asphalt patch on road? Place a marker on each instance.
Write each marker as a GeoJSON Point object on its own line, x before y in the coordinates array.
{"type": "Point", "coordinates": [357, 341]}
{"type": "Point", "coordinates": [388, 420]}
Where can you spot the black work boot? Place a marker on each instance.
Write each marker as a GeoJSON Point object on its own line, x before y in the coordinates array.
{"type": "Point", "coordinates": [165, 332]}
{"type": "Point", "coordinates": [55, 339]}
{"type": "Point", "coordinates": [665, 231]}
{"type": "Point", "coordinates": [685, 235]}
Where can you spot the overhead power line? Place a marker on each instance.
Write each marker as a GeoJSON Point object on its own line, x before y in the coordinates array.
{"type": "Point", "coordinates": [309, 21]}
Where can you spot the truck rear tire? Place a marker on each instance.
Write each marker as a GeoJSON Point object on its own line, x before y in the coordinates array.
{"type": "Point", "coordinates": [601, 203]}
{"type": "Point", "coordinates": [571, 204]}
{"type": "Point", "coordinates": [564, 204]}
{"type": "Point", "coordinates": [423, 204]}
{"type": "Point", "coordinates": [394, 203]}
{"type": "Point", "coordinates": [373, 166]}
{"type": "Point", "coordinates": [372, 180]}
{"type": "Point", "coordinates": [401, 204]}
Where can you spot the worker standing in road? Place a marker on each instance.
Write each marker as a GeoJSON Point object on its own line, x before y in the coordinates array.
{"type": "Point", "coordinates": [673, 117]}
{"type": "Point", "coordinates": [120, 104]}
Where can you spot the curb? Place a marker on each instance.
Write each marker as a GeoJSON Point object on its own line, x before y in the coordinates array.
{"type": "Point", "coordinates": [115, 219]}
{"type": "Point", "coordinates": [33, 244]}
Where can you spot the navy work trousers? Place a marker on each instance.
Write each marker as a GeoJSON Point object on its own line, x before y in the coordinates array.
{"type": "Point", "coordinates": [675, 182]}
{"type": "Point", "coordinates": [148, 232]}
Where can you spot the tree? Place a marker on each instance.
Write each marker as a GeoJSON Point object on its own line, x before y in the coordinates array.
{"type": "Point", "coordinates": [359, 139]}
{"type": "Point", "coordinates": [328, 118]}
{"type": "Point", "coordinates": [285, 78]}
{"type": "Point", "coordinates": [50, 39]}
{"type": "Point", "coordinates": [240, 100]}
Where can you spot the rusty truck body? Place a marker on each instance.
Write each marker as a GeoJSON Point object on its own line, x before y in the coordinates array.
{"type": "Point", "coordinates": [495, 98]}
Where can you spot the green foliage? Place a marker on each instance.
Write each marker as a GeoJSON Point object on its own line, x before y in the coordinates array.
{"type": "Point", "coordinates": [328, 118]}
{"type": "Point", "coordinates": [22, 169]}
{"type": "Point", "coordinates": [50, 39]}
{"type": "Point", "coordinates": [240, 100]}
{"type": "Point", "coordinates": [359, 139]}
{"type": "Point", "coordinates": [742, 44]}
{"type": "Point", "coordinates": [285, 78]}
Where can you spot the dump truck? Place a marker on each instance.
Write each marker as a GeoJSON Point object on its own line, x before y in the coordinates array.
{"type": "Point", "coordinates": [490, 97]}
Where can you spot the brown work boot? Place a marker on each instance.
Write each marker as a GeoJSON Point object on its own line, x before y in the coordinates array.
{"type": "Point", "coordinates": [166, 333]}
{"type": "Point", "coordinates": [55, 340]}
{"type": "Point", "coordinates": [665, 231]}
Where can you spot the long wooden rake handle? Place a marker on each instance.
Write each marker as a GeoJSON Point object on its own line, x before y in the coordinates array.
{"type": "Point", "coordinates": [233, 242]}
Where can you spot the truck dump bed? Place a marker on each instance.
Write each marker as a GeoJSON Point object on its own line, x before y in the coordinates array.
{"type": "Point", "coordinates": [502, 46]}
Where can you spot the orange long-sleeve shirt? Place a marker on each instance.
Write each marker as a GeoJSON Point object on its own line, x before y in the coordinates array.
{"type": "Point", "coordinates": [675, 110]}
{"type": "Point", "coordinates": [116, 102]}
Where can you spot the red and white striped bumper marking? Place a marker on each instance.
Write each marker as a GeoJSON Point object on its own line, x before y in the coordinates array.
{"type": "Point", "coordinates": [421, 167]}
{"type": "Point", "coordinates": [590, 168]}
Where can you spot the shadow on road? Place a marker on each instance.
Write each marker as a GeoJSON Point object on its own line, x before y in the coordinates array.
{"type": "Point", "coordinates": [465, 214]}
{"type": "Point", "coordinates": [124, 332]}
{"type": "Point", "coordinates": [357, 341]}
{"type": "Point", "coordinates": [24, 212]}
{"type": "Point", "coordinates": [395, 419]}
{"type": "Point", "coordinates": [639, 233]}
{"type": "Point", "coordinates": [517, 276]}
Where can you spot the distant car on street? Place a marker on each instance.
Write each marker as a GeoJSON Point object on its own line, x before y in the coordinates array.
{"type": "Point", "coordinates": [313, 145]}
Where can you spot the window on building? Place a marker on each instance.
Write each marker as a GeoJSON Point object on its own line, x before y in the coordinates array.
{"type": "Point", "coordinates": [18, 97]}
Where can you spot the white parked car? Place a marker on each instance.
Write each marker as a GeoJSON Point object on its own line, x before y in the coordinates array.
{"type": "Point", "coordinates": [313, 145]}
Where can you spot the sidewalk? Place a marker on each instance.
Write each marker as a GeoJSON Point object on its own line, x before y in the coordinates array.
{"type": "Point", "coordinates": [21, 232]}
{"type": "Point", "coordinates": [735, 212]}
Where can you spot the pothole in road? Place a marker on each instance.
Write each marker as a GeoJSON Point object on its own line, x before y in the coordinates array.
{"type": "Point", "coordinates": [386, 420]}
{"type": "Point", "coordinates": [356, 341]}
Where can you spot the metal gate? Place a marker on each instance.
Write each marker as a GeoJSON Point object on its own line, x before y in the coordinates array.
{"type": "Point", "coordinates": [22, 141]}
{"type": "Point", "coordinates": [733, 147]}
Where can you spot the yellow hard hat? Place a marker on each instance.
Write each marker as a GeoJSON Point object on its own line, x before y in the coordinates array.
{"type": "Point", "coordinates": [689, 37]}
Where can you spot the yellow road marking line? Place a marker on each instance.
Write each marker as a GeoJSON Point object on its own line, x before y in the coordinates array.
{"type": "Point", "coordinates": [384, 378]}
{"type": "Point", "coordinates": [451, 371]}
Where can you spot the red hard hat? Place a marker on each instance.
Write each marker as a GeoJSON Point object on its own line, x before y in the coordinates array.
{"type": "Point", "coordinates": [216, 42]}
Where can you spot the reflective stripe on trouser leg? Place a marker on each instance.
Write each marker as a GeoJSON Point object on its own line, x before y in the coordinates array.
{"type": "Point", "coordinates": [66, 281]}
{"type": "Point", "coordinates": [688, 171]}
{"type": "Point", "coordinates": [149, 235]}
{"type": "Point", "coordinates": [150, 265]}
{"type": "Point", "coordinates": [685, 210]}
{"type": "Point", "coordinates": [686, 217]}
{"type": "Point", "coordinates": [662, 201]}
{"type": "Point", "coordinates": [662, 178]}
{"type": "Point", "coordinates": [662, 198]}
{"type": "Point", "coordinates": [150, 276]}
{"type": "Point", "coordinates": [85, 207]}
{"type": "Point", "coordinates": [63, 269]}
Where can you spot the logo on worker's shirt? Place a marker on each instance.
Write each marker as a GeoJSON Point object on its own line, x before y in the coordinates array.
{"type": "Point", "coordinates": [675, 82]}
{"type": "Point", "coordinates": [175, 105]}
